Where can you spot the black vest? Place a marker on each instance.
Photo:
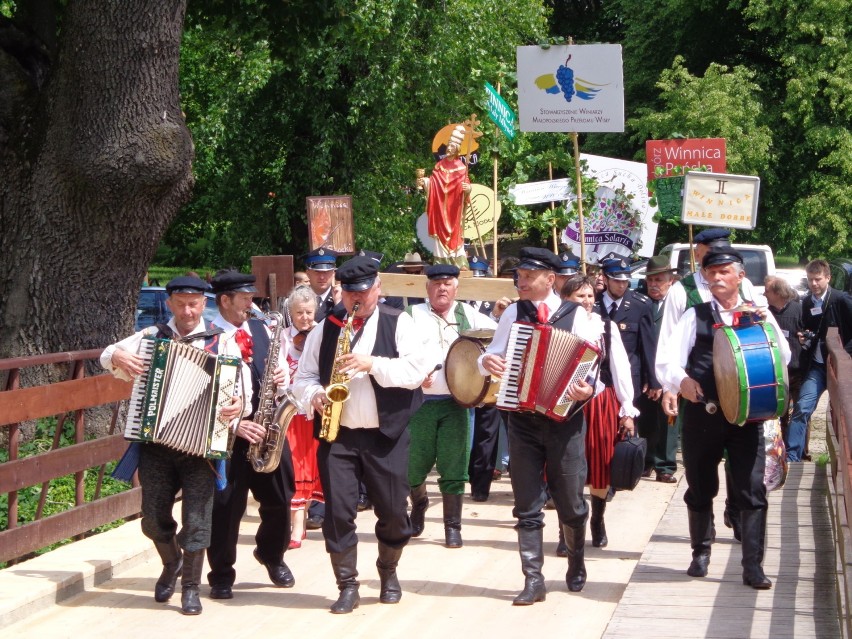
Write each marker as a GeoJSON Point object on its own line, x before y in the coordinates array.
{"type": "Point", "coordinates": [699, 366]}
{"type": "Point", "coordinates": [260, 351]}
{"type": "Point", "coordinates": [395, 405]}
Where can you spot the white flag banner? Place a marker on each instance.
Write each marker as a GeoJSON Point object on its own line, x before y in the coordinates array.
{"type": "Point", "coordinates": [538, 192]}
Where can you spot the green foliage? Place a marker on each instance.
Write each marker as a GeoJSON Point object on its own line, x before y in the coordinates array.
{"type": "Point", "coordinates": [291, 100]}
{"type": "Point", "coordinates": [61, 491]}
{"type": "Point", "coordinates": [7, 8]}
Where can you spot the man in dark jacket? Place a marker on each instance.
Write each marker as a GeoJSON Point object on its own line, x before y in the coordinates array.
{"type": "Point", "coordinates": [823, 308]}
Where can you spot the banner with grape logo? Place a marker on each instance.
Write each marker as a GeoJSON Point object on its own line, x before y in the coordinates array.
{"type": "Point", "coordinates": [571, 88]}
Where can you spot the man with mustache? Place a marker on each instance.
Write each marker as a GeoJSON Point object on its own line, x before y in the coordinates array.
{"type": "Point", "coordinates": [685, 366]}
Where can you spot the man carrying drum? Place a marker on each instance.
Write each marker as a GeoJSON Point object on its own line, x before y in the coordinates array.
{"type": "Point", "coordinates": [440, 429]}
{"type": "Point", "coordinates": [686, 366]}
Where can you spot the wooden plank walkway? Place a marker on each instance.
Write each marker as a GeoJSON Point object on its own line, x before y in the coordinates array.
{"type": "Point", "coordinates": [637, 586]}
{"type": "Point", "coordinates": [662, 601]}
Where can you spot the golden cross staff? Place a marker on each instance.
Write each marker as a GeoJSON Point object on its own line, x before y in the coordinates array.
{"type": "Point", "coordinates": [470, 125]}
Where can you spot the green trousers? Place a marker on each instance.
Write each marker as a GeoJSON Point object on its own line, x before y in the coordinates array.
{"type": "Point", "coordinates": [440, 437]}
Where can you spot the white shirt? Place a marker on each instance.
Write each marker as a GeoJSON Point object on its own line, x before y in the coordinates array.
{"type": "Point", "coordinates": [670, 364]}
{"type": "Point", "coordinates": [229, 337]}
{"type": "Point", "coordinates": [406, 371]}
{"type": "Point", "coordinates": [440, 334]}
{"type": "Point", "coordinates": [619, 366]}
{"type": "Point", "coordinates": [131, 344]}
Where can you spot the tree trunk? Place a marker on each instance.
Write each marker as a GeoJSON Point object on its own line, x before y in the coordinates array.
{"type": "Point", "coordinates": [96, 161]}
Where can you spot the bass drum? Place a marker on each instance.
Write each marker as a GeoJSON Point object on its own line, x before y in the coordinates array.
{"type": "Point", "coordinates": [467, 385]}
{"type": "Point", "coordinates": [751, 376]}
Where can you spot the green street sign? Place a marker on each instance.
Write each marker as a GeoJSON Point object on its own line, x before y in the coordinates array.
{"type": "Point", "coordinates": [500, 112]}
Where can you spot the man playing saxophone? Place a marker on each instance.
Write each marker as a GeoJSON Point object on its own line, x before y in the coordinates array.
{"type": "Point", "coordinates": [274, 490]}
{"type": "Point", "coordinates": [385, 365]}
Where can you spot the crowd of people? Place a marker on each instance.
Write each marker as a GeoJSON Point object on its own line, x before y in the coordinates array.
{"type": "Point", "coordinates": [400, 420]}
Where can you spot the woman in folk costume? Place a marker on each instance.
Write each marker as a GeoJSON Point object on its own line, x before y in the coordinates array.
{"type": "Point", "coordinates": [302, 305]}
{"type": "Point", "coordinates": [607, 413]}
{"type": "Point", "coordinates": [447, 195]}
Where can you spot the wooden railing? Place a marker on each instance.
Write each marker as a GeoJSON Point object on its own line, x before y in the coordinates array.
{"type": "Point", "coordinates": [839, 382]}
{"type": "Point", "coordinates": [63, 400]}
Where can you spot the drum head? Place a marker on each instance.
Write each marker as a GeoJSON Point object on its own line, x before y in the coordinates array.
{"type": "Point", "coordinates": [467, 386]}
{"type": "Point", "coordinates": [728, 370]}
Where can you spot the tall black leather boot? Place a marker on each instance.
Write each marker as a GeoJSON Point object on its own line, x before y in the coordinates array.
{"type": "Point", "coordinates": [575, 539]}
{"type": "Point", "coordinates": [596, 523]}
{"type": "Point", "coordinates": [419, 504]}
{"type": "Point", "coordinates": [701, 537]}
{"type": "Point", "coordinates": [754, 540]}
{"type": "Point", "coordinates": [172, 558]}
{"type": "Point", "coordinates": [193, 564]}
{"type": "Point", "coordinates": [532, 559]}
{"type": "Point", "coordinates": [345, 565]}
{"type": "Point", "coordinates": [452, 520]}
{"type": "Point", "coordinates": [390, 591]}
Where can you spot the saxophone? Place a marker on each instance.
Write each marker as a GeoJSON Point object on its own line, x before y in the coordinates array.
{"type": "Point", "coordinates": [265, 455]}
{"type": "Point", "coordinates": [337, 390]}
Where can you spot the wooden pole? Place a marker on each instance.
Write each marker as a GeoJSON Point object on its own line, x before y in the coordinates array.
{"type": "Point", "coordinates": [494, 182]}
{"type": "Point", "coordinates": [580, 222]}
{"type": "Point", "coordinates": [691, 250]}
{"type": "Point", "coordinates": [552, 206]}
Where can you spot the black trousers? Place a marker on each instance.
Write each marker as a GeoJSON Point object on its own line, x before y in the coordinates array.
{"type": "Point", "coordinates": [542, 448]}
{"type": "Point", "coordinates": [483, 452]}
{"type": "Point", "coordinates": [705, 439]}
{"type": "Point", "coordinates": [162, 473]}
{"type": "Point", "coordinates": [273, 492]}
{"type": "Point", "coordinates": [381, 464]}
{"type": "Point", "coordinates": [662, 438]}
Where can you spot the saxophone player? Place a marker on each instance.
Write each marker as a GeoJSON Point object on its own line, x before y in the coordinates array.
{"type": "Point", "coordinates": [386, 364]}
{"type": "Point", "coordinates": [273, 491]}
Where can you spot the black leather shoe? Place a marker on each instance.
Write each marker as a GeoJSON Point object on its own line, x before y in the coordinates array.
{"type": "Point", "coordinates": [666, 478]}
{"type": "Point", "coordinates": [221, 592]}
{"type": "Point", "coordinates": [364, 503]}
{"type": "Point", "coordinates": [479, 497]}
{"type": "Point", "coordinates": [646, 472]}
{"type": "Point", "coordinates": [314, 522]}
{"type": "Point", "coordinates": [533, 592]}
{"type": "Point", "coordinates": [279, 573]}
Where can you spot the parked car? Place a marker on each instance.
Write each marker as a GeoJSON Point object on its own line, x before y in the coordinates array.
{"type": "Point", "coordinates": [759, 261]}
{"type": "Point", "coordinates": [841, 273]}
{"type": "Point", "coordinates": [796, 278]}
{"type": "Point", "coordinates": [151, 307]}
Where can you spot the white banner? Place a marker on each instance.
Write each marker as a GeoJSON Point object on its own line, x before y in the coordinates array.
{"type": "Point", "coordinates": [571, 88]}
{"type": "Point", "coordinates": [720, 199]}
{"type": "Point", "coordinates": [609, 228]}
{"type": "Point", "coordinates": [538, 192]}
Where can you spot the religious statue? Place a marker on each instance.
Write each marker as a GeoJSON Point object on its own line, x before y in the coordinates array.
{"type": "Point", "coordinates": [447, 196]}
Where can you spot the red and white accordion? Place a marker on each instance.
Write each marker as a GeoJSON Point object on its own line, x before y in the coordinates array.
{"type": "Point", "coordinates": [542, 362]}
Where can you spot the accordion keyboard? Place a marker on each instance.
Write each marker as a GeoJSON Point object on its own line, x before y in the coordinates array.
{"type": "Point", "coordinates": [519, 336]}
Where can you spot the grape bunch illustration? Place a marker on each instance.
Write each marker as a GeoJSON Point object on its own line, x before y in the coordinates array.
{"type": "Point", "coordinates": [565, 78]}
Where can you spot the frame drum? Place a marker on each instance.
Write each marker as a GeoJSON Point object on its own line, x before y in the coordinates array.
{"type": "Point", "coordinates": [751, 376]}
{"type": "Point", "coordinates": [467, 385]}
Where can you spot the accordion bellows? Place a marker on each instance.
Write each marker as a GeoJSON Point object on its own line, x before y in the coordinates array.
{"type": "Point", "coordinates": [542, 363]}
{"type": "Point", "coordinates": [175, 401]}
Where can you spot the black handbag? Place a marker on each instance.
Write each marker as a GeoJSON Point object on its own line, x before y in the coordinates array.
{"type": "Point", "coordinates": [628, 462]}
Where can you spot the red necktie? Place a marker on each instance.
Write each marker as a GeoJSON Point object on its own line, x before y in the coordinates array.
{"type": "Point", "coordinates": [245, 343]}
{"type": "Point", "coordinates": [542, 313]}
{"type": "Point", "coordinates": [357, 324]}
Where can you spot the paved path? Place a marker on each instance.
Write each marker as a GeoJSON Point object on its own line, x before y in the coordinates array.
{"type": "Point", "coordinates": [637, 586]}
